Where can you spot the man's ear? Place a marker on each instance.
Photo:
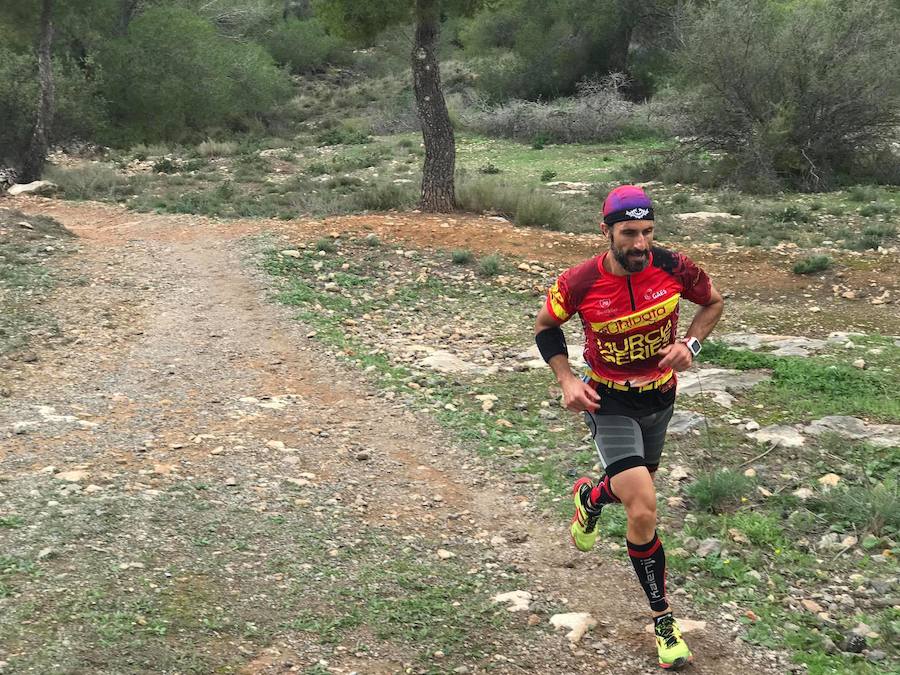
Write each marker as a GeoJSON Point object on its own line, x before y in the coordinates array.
{"type": "Point", "coordinates": [605, 228]}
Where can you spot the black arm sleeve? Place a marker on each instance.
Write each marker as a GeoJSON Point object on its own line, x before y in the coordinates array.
{"type": "Point", "coordinates": [551, 342]}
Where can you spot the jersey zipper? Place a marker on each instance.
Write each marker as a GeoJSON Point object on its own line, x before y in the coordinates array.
{"type": "Point", "coordinates": [630, 293]}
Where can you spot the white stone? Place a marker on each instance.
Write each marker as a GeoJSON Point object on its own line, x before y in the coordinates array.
{"type": "Point", "coordinates": [578, 624]}
{"type": "Point", "coordinates": [803, 493]}
{"type": "Point", "coordinates": [782, 435]}
{"type": "Point", "coordinates": [38, 187]}
{"type": "Point", "coordinates": [829, 480]}
{"type": "Point", "coordinates": [444, 554]}
{"type": "Point", "coordinates": [446, 362]}
{"type": "Point", "coordinates": [72, 476]}
{"type": "Point", "coordinates": [519, 601]}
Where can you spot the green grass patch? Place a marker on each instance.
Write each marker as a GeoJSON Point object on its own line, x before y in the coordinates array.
{"type": "Point", "coordinates": [813, 386]}
{"type": "Point", "coordinates": [720, 490]}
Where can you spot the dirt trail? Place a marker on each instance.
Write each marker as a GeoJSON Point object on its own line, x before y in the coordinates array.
{"type": "Point", "coordinates": [172, 330]}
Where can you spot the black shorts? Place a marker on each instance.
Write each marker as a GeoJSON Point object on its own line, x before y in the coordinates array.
{"type": "Point", "coordinates": [629, 430]}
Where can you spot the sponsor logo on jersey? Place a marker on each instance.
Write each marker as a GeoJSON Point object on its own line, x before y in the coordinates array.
{"type": "Point", "coordinates": [655, 295]}
{"type": "Point", "coordinates": [636, 347]}
{"type": "Point", "coordinates": [640, 319]}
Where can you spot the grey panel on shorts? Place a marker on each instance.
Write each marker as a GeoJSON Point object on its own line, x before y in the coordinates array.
{"type": "Point", "coordinates": [618, 437]}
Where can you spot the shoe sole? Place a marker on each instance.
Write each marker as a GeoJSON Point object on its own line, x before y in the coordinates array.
{"type": "Point", "coordinates": [677, 664]}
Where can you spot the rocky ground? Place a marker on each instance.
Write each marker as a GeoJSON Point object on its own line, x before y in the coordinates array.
{"type": "Point", "coordinates": [193, 481]}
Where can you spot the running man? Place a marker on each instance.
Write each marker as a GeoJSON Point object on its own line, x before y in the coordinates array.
{"type": "Point", "coordinates": [628, 299]}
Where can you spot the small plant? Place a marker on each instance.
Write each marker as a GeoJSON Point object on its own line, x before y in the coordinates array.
{"type": "Point", "coordinates": [812, 264]}
{"type": "Point", "coordinates": [405, 143]}
{"type": "Point", "coordinates": [540, 141]}
{"type": "Point", "coordinates": [875, 209]}
{"type": "Point", "coordinates": [461, 256]}
{"type": "Point", "coordinates": [383, 198]}
{"type": "Point", "coordinates": [372, 240]}
{"type": "Point", "coordinates": [681, 199]}
{"type": "Point", "coordinates": [790, 214]}
{"type": "Point", "coordinates": [489, 169]}
{"type": "Point", "coordinates": [547, 175]}
{"type": "Point", "coordinates": [539, 210]}
{"type": "Point", "coordinates": [211, 148]}
{"type": "Point", "coordinates": [716, 492]}
{"type": "Point", "coordinates": [871, 508]}
{"type": "Point", "coordinates": [342, 136]}
{"type": "Point", "coordinates": [325, 244]}
{"type": "Point", "coordinates": [862, 193]}
{"type": "Point", "coordinates": [874, 236]}
{"type": "Point", "coordinates": [166, 165]}
{"type": "Point", "coordinates": [490, 265]}
{"type": "Point", "coordinates": [732, 227]}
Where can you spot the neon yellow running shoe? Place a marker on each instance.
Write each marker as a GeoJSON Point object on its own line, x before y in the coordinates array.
{"type": "Point", "coordinates": [586, 521]}
{"type": "Point", "coordinates": [673, 650]}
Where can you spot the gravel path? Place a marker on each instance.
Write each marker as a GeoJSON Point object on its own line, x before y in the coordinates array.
{"type": "Point", "coordinates": [179, 372]}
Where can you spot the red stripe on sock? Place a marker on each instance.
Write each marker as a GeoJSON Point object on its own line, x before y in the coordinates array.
{"type": "Point", "coordinates": [645, 554]}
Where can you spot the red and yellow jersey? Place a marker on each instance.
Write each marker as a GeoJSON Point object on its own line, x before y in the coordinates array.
{"type": "Point", "coordinates": [628, 319]}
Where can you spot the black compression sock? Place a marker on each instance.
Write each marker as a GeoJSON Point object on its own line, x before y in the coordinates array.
{"type": "Point", "coordinates": [649, 561]}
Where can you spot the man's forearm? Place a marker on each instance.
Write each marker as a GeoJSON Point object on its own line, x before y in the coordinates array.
{"type": "Point", "coordinates": [705, 320]}
{"type": "Point", "coordinates": [561, 368]}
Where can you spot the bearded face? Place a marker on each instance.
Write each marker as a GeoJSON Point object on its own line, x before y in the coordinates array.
{"type": "Point", "coordinates": [630, 243]}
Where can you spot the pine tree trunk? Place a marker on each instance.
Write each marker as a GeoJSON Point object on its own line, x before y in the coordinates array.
{"type": "Point", "coordinates": [438, 194]}
{"type": "Point", "coordinates": [33, 166]}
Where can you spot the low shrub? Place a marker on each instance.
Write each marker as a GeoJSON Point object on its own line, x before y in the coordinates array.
{"type": "Point", "coordinates": [547, 175]}
{"type": "Point", "coordinates": [870, 508]}
{"type": "Point", "coordinates": [90, 181]}
{"type": "Point", "coordinates": [490, 265]}
{"type": "Point", "coordinates": [211, 148]}
{"type": "Point", "coordinates": [873, 236]}
{"type": "Point", "coordinates": [718, 491]}
{"type": "Point", "coordinates": [461, 256]}
{"type": "Point", "coordinates": [384, 197]}
{"type": "Point", "coordinates": [812, 264]}
{"type": "Point", "coordinates": [343, 135]}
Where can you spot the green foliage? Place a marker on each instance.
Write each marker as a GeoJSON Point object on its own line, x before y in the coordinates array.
{"type": "Point", "coordinates": [527, 50]}
{"type": "Point", "coordinates": [488, 169]}
{"type": "Point", "coordinates": [78, 112]}
{"type": "Point", "coordinates": [874, 235]}
{"type": "Point", "coordinates": [304, 46]}
{"type": "Point", "coordinates": [490, 265]}
{"type": "Point", "coordinates": [812, 386]}
{"type": "Point", "coordinates": [325, 244]}
{"type": "Point", "coordinates": [461, 256]}
{"type": "Point", "coordinates": [812, 264]}
{"type": "Point", "coordinates": [796, 92]}
{"type": "Point", "coordinates": [90, 181]}
{"type": "Point", "coordinates": [547, 175]}
{"type": "Point", "coordinates": [871, 508]}
{"type": "Point", "coordinates": [343, 135]}
{"type": "Point", "coordinates": [173, 76]}
{"type": "Point", "coordinates": [384, 197]}
{"type": "Point", "coordinates": [718, 491]}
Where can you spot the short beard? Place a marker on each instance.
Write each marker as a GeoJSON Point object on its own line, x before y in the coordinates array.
{"type": "Point", "coordinates": [629, 265]}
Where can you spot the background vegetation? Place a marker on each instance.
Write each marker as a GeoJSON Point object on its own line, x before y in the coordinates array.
{"type": "Point", "coordinates": [761, 95]}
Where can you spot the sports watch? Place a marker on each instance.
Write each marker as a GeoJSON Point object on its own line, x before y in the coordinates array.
{"type": "Point", "coordinates": [693, 344]}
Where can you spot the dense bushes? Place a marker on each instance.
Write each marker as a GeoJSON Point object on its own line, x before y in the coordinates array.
{"type": "Point", "coordinates": [305, 46]}
{"type": "Point", "coordinates": [598, 113]}
{"type": "Point", "coordinates": [796, 93]}
{"type": "Point", "coordinates": [173, 76]}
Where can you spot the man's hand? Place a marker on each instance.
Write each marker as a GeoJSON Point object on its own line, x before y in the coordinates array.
{"type": "Point", "coordinates": [579, 396]}
{"type": "Point", "coordinates": [676, 356]}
